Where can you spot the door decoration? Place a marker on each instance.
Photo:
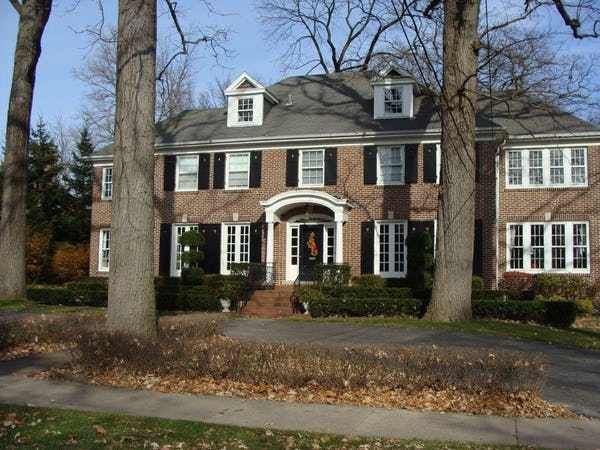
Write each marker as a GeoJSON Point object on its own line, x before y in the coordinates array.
{"type": "Point", "coordinates": [312, 244]}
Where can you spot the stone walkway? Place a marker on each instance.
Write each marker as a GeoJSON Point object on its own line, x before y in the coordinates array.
{"type": "Point", "coordinates": [16, 388]}
{"type": "Point", "coordinates": [573, 378]}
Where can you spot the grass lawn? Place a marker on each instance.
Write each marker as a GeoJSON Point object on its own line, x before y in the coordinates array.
{"type": "Point", "coordinates": [586, 333]}
{"type": "Point", "coordinates": [27, 306]}
{"type": "Point", "coordinates": [24, 427]}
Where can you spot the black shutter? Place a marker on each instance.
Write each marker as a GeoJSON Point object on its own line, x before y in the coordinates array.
{"type": "Point", "coordinates": [291, 168]}
{"type": "Point", "coordinates": [367, 247]}
{"type": "Point", "coordinates": [255, 168]}
{"type": "Point", "coordinates": [410, 163]}
{"type": "Point", "coordinates": [164, 253]}
{"type": "Point", "coordinates": [169, 173]}
{"type": "Point", "coordinates": [212, 247]}
{"type": "Point", "coordinates": [219, 171]}
{"type": "Point", "coordinates": [370, 164]}
{"type": "Point", "coordinates": [417, 227]}
{"type": "Point", "coordinates": [478, 248]}
{"type": "Point", "coordinates": [330, 166]}
{"type": "Point", "coordinates": [203, 170]}
{"type": "Point", "coordinates": [255, 242]}
{"type": "Point", "coordinates": [429, 163]}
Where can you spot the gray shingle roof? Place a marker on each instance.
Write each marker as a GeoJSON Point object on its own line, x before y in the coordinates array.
{"type": "Point", "coordinates": [343, 103]}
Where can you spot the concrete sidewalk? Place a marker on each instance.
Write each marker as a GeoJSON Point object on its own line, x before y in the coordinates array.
{"type": "Point", "coordinates": [345, 420]}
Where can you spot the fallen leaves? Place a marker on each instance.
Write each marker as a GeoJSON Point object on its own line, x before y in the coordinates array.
{"type": "Point", "coordinates": [521, 404]}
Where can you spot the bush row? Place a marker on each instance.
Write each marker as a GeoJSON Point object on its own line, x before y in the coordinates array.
{"type": "Point", "coordinates": [560, 314]}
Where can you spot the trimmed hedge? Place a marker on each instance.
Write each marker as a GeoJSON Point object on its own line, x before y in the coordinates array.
{"type": "Point", "coordinates": [323, 306]}
{"type": "Point", "coordinates": [198, 298]}
{"type": "Point", "coordinates": [51, 295]}
{"type": "Point", "coordinates": [491, 294]}
{"type": "Point", "coordinates": [552, 313]}
{"type": "Point", "coordinates": [368, 292]}
{"type": "Point", "coordinates": [89, 293]}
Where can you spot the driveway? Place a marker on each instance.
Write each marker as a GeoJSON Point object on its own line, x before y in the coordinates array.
{"type": "Point", "coordinates": [573, 378]}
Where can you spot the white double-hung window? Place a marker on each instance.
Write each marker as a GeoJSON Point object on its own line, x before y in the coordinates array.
{"type": "Point", "coordinates": [104, 251]}
{"type": "Point", "coordinates": [392, 100]}
{"type": "Point", "coordinates": [177, 249]}
{"type": "Point", "coordinates": [235, 245]}
{"type": "Point", "coordinates": [390, 165]}
{"type": "Point", "coordinates": [312, 167]}
{"type": "Point", "coordinates": [237, 170]}
{"type": "Point", "coordinates": [546, 167]}
{"type": "Point", "coordinates": [187, 173]}
{"type": "Point", "coordinates": [390, 248]}
{"type": "Point", "coordinates": [107, 183]}
{"type": "Point", "coordinates": [548, 247]}
{"type": "Point", "coordinates": [245, 110]}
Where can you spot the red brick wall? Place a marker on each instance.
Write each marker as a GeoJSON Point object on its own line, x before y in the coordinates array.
{"type": "Point", "coordinates": [412, 202]}
{"type": "Point", "coordinates": [568, 204]}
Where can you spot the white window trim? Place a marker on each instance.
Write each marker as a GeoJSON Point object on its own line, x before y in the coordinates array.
{"type": "Point", "coordinates": [548, 247]}
{"type": "Point", "coordinates": [245, 122]}
{"type": "Point", "coordinates": [300, 172]}
{"type": "Point", "coordinates": [379, 175]}
{"type": "Point", "coordinates": [224, 225]}
{"type": "Point", "coordinates": [177, 188]}
{"type": "Point", "coordinates": [546, 168]}
{"type": "Point", "coordinates": [379, 97]}
{"type": "Point", "coordinates": [189, 226]}
{"type": "Point", "coordinates": [376, 252]}
{"type": "Point", "coordinates": [394, 114]}
{"type": "Point", "coordinates": [102, 194]}
{"type": "Point", "coordinates": [236, 188]}
{"type": "Point", "coordinates": [102, 268]}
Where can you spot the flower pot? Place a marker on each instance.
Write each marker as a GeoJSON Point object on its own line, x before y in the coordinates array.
{"type": "Point", "coordinates": [225, 304]}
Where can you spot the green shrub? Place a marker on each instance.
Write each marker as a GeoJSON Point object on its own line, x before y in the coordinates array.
{"type": "Point", "coordinates": [368, 281]}
{"type": "Point", "coordinates": [477, 284]}
{"type": "Point", "coordinates": [89, 292]}
{"type": "Point", "coordinates": [323, 306]}
{"type": "Point", "coordinates": [332, 274]}
{"type": "Point", "coordinates": [520, 285]}
{"type": "Point", "coordinates": [215, 283]}
{"type": "Point", "coordinates": [192, 276]}
{"type": "Point", "coordinates": [236, 288]}
{"type": "Point", "coordinates": [491, 294]}
{"type": "Point", "coordinates": [198, 298]}
{"type": "Point", "coordinates": [585, 306]}
{"type": "Point", "coordinates": [51, 295]}
{"type": "Point", "coordinates": [568, 286]}
{"type": "Point", "coordinates": [367, 292]}
{"type": "Point", "coordinates": [420, 258]}
{"type": "Point", "coordinates": [558, 314]}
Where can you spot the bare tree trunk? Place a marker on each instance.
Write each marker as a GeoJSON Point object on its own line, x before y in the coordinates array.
{"type": "Point", "coordinates": [131, 304]}
{"type": "Point", "coordinates": [33, 16]}
{"type": "Point", "coordinates": [451, 297]}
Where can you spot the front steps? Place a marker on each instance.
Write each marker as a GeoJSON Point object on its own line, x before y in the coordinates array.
{"type": "Point", "coordinates": [270, 303]}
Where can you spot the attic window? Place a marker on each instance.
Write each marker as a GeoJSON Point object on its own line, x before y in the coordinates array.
{"type": "Point", "coordinates": [392, 100]}
{"type": "Point", "coordinates": [246, 109]}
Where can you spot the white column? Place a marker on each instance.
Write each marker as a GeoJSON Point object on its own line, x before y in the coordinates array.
{"type": "Point", "coordinates": [270, 250]}
{"type": "Point", "coordinates": [339, 242]}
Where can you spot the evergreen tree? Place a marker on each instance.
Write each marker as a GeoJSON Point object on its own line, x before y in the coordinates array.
{"type": "Point", "coordinates": [79, 182]}
{"type": "Point", "coordinates": [47, 197]}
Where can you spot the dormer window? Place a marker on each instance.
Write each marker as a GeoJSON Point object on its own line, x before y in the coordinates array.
{"type": "Point", "coordinates": [247, 102]}
{"type": "Point", "coordinates": [392, 100]}
{"type": "Point", "coordinates": [392, 95]}
{"type": "Point", "coordinates": [246, 109]}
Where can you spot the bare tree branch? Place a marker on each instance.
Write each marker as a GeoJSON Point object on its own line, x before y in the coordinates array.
{"type": "Point", "coordinates": [17, 5]}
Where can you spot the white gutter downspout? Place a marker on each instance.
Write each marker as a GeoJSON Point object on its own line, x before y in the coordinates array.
{"type": "Point", "coordinates": [497, 213]}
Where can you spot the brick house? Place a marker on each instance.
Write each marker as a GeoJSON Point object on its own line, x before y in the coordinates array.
{"type": "Point", "coordinates": [340, 168]}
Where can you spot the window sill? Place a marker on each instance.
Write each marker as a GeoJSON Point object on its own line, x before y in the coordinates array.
{"type": "Point", "coordinates": [311, 186]}
{"type": "Point", "coordinates": [391, 184]}
{"type": "Point", "coordinates": [185, 190]}
{"type": "Point", "coordinates": [545, 187]}
{"type": "Point", "coordinates": [552, 271]}
{"type": "Point", "coordinates": [391, 275]}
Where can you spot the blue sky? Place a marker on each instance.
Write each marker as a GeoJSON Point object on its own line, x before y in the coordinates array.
{"type": "Point", "coordinates": [59, 93]}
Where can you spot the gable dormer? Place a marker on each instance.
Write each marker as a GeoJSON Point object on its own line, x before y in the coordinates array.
{"type": "Point", "coordinates": [393, 95]}
{"type": "Point", "coordinates": [247, 101]}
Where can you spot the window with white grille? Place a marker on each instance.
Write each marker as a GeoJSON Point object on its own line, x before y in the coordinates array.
{"type": "Point", "coordinates": [546, 167]}
{"type": "Point", "coordinates": [104, 251]}
{"type": "Point", "coordinates": [235, 245]}
{"type": "Point", "coordinates": [390, 248]}
{"type": "Point", "coordinates": [107, 183]}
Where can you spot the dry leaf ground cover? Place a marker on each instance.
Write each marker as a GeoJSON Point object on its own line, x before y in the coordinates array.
{"type": "Point", "coordinates": [193, 357]}
{"type": "Point", "coordinates": [23, 427]}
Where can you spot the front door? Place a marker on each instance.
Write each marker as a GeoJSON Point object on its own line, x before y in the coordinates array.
{"type": "Point", "coordinates": [311, 248]}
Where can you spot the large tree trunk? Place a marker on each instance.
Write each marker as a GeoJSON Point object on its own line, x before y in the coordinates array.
{"type": "Point", "coordinates": [33, 16]}
{"type": "Point", "coordinates": [131, 304]}
{"type": "Point", "coordinates": [451, 297]}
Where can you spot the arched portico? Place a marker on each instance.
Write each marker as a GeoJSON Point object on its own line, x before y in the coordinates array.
{"type": "Point", "coordinates": [279, 205]}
